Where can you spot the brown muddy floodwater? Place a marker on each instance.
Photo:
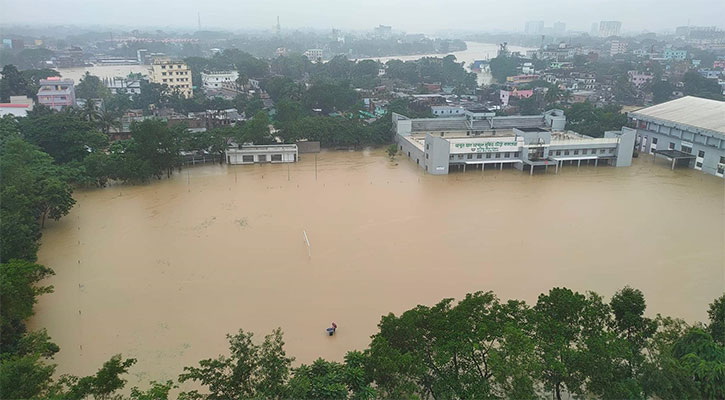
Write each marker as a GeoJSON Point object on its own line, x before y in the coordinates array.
{"type": "Point", "coordinates": [162, 272]}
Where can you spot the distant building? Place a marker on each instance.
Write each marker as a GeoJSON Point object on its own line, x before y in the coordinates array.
{"type": "Point", "coordinates": [313, 54]}
{"type": "Point", "coordinates": [18, 106]}
{"type": "Point", "coordinates": [559, 28]}
{"type": "Point", "coordinates": [176, 75]}
{"type": "Point", "coordinates": [383, 30]}
{"type": "Point", "coordinates": [617, 47]}
{"type": "Point", "coordinates": [505, 95]}
{"type": "Point", "coordinates": [57, 93]}
{"type": "Point", "coordinates": [534, 27]}
{"type": "Point", "coordinates": [142, 56]}
{"type": "Point", "coordinates": [251, 154]}
{"type": "Point", "coordinates": [119, 85]}
{"type": "Point", "coordinates": [639, 78]}
{"type": "Point", "coordinates": [609, 28]}
{"type": "Point", "coordinates": [672, 54]}
{"type": "Point", "coordinates": [446, 111]}
{"type": "Point", "coordinates": [215, 79]}
{"type": "Point", "coordinates": [689, 131]}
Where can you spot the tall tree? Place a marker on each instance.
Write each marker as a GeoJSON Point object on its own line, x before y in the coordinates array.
{"type": "Point", "coordinates": [13, 83]}
{"type": "Point", "coordinates": [92, 87]}
{"type": "Point", "coordinates": [251, 370]}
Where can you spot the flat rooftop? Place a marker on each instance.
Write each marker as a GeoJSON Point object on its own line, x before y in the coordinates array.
{"type": "Point", "coordinates": [693, 111]}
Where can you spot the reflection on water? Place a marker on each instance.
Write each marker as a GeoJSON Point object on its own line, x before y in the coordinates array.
{"type": "Point", "coordinates": [162, 272]}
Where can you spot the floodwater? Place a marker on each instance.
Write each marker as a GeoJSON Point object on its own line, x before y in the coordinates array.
{"type": "Point", "coordinates": [474, 51]}
{"type": "Point", "coordinates": [162, 272]}
{"type": "Point", "coordinates": [103, 71]}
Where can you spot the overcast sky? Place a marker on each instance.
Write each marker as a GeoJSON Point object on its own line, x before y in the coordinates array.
{"type": "Point", "coordinates": [407, 15]}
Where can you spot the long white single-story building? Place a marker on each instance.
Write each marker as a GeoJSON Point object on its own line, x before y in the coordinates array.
{"type": "Point", "coordinates": [272, 153]}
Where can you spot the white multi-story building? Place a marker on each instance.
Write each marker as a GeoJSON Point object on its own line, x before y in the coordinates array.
{"type": "Point", "coordinates": [617, 47]}
{"type": "Point", "coordinates": [216, 79]}
{"type": "Point", "coordinates": [638, 78]}
{"type": "Point", "coordinates": [609, 28]}
{"type": "Point", "coordinates": [176, 75]}
{"type": "Point", "coordinates": [314, 54]}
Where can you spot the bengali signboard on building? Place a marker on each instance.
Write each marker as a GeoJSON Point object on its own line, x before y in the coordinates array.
{"type": "Point", "coordinates": [487, 145]}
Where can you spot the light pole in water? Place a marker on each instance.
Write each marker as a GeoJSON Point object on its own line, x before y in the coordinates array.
{"type": "Point", "coordinates": [315, 166]}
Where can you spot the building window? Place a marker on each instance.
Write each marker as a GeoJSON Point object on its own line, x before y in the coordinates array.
{"type": "Point", "coordinates": [506, 155]}
{"type": "Point", "coordinates": [451, 156]}
{"type": "Point", "coordinates": [654, 140]}
{"type": "Point", "coordinates": [276, 157]}
{"type": "Point", "coordinates": [576, 152]}
{"type": "Point", "coordinates": [248, 159]}
{"type": "Point", "coordinates": [601, 151]}
{"type": "Point", "coordinates": [479, 155]}
{"type": "Point", "coordinates": [488, 155]}
{"type": "Point", "coordinates": [469, 156]}
{"type": "Point", "coordinates": [701, 154]}
{"type": "Point", "coordinates": [686, 149]}
{"type": "Point", "coordinates": [498, 155]}
{"type": "Point", "coordinates": [722, 159]}
{"type": "Point", "coordinates": [698, 164]}
{"type": "Point", "coordinates": [566, 152]}
{"type": "Point", "coordinates": [720, 169]}
{"type": "Point", "coordinates": [672, 146]}
{"type": "Point", "coordinates": [584, 152]}
{"type": "Point", "coordinates": [517, 154]}
{"type": "Point", "coordinates": [427, 146]}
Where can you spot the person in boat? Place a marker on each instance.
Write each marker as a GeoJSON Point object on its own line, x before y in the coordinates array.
{"type": "Point", "coordinates": [331, 330]}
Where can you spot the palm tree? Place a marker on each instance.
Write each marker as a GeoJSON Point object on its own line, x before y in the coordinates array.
{"type": "Point", "coordinates": [90, 111]}
{"type": "Point", "coordinates": [107, 120]}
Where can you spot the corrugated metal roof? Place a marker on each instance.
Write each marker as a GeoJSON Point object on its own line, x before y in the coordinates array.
{"type": "Point", "coordinates": [689, 110]}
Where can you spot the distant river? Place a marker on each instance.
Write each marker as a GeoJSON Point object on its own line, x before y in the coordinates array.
{"type": "Point", "coordinates": [474, 51]}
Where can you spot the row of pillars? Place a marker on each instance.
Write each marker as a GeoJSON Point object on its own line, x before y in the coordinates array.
{"type": "Point", "coordinates": [558, 164]}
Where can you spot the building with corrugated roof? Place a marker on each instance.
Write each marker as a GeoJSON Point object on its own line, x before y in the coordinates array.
{"type": "Point", "coordinates": [689, 131]}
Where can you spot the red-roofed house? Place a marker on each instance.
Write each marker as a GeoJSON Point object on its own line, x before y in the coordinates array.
{"type": "Point", "coordinates": [18, 106]}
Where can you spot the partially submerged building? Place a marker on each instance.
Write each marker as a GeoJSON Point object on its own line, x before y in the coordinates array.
{"type": "Point", "coordinates": [689, 131]}
{"type": "Point", "coordinates": [479, 139]}
{"type": "Point", "coordinates": [251, 154]}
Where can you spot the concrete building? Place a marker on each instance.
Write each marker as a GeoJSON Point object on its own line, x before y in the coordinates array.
{"type": "Point", "coordinates": [609, 28]}
{"type": "Point", "coordinates": [313, 54]}
{"type": "Point", "coordinates": [617, 47]}
{"type": "Point", "coordinates": [123, 85]}
{"type": "Point", "coordinates": [446, 111]}
{"type": "Point", "coordinates": [480, 140]}
{"type": "Point", "coordinates": [176, 75]}
{"type": "Point", "coordinates": [57, 93]}
{"type": "Point", "coordinates": [639, 79]}
{"type": "Point", "coordinates": [18, 106]}
{"type": "Point", "coordinates": [215, 79]}
{"type": "Point", "coordinates": [672, 54]}
{"type": "Point", "coordinates": [251, 154]}
{"type": "Point", "coordinates": [689, 131]}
